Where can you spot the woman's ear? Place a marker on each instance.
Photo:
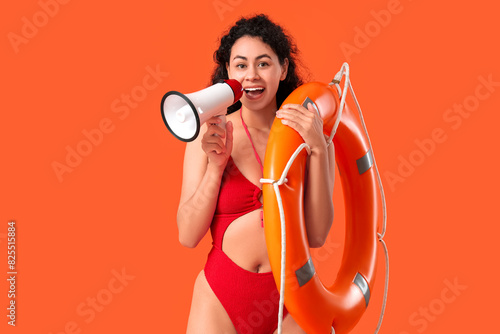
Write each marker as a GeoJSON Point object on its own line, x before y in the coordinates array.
{"type": "Point", "coordinates": [284, 69]}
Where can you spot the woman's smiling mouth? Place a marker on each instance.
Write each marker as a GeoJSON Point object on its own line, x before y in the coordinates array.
{"type": "Point", "coordinates": [254, 92]}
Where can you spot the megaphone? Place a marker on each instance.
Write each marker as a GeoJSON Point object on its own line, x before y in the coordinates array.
{"type": "Point", "coordinates": [184, 114]}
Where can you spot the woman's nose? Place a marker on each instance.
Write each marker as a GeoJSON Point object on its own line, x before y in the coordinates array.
{"type": "Point", "coordinates": [252, 73]}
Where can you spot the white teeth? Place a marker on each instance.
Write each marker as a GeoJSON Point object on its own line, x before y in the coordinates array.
{"type": "Point", "coordinates": [253, 89]}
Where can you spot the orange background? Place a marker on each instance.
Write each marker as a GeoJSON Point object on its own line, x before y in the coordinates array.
{"type": "Point", "coordinates": [115, 210]}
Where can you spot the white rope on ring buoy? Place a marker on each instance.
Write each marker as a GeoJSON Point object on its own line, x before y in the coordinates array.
{"type": "Point", "coordinates": [344, 71]}
{"type": "Point", "coordinates": [338, 77]}
{"type": "Point", "coordinates": [276, 184]}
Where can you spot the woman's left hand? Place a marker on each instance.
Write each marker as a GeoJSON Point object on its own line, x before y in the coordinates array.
{"type": "Point", "coordinates": [306, 122]}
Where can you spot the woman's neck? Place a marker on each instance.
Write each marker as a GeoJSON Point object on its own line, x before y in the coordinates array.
{"type": "Point", "coordinates": [260, 119]}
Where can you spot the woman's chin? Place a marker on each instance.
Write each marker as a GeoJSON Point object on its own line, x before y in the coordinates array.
{"type": "Point", "coordinates": [258, 104]}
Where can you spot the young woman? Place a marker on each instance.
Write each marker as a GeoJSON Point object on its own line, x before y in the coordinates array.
{"type": "Point", "coordinates": [236, 293]}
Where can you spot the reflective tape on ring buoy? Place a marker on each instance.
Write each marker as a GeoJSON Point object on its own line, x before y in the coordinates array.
{"type": "Point", "coordinates": [316, 308]}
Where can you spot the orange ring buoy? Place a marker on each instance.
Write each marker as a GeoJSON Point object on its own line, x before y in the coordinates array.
{"type": "Point", "coordinates": [314, 307]}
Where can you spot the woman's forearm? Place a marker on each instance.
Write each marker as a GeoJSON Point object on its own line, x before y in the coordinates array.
{"type": "Point", "coordinates": [318, 195]}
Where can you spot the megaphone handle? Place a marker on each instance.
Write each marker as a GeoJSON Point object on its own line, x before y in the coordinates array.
{"type": "Point", "coordinates": [222, 124]}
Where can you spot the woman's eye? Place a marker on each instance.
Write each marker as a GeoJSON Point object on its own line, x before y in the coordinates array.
{"type": "Point", "coordinates": [240, 66]}
{"type": "Point", "coordinates": [263, 64]}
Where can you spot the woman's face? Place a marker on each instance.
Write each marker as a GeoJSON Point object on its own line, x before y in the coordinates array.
{"type": "Point", "coordinates": [255, 65]}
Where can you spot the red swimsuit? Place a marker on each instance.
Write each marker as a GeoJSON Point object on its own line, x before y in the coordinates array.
{"type": "Point", "coordinates": [250, 299]}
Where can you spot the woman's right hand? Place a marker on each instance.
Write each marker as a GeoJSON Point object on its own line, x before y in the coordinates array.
{"type": "Point", "coordinates": [217, 143]}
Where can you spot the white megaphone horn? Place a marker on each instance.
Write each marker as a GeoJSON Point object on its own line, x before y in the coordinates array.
{"type": "Point", "coordinates": [184, 114]}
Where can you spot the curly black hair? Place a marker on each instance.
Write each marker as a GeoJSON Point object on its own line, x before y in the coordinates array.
{"type": "Point", "coordinates": [271, 34]}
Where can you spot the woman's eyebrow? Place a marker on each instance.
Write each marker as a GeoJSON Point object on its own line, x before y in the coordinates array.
{"type": "Point", "coordinates": [239, 57]}
{"type": "Point", "coordinates": [257, 58]}
{"type": "Point", "coordinates": [263, 56]}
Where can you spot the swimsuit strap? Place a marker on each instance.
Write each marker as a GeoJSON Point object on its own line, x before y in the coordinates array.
{"type": "Point", "coordinates": [258, 159]}
{"type": "Point", "coordinates": [251, 142]}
